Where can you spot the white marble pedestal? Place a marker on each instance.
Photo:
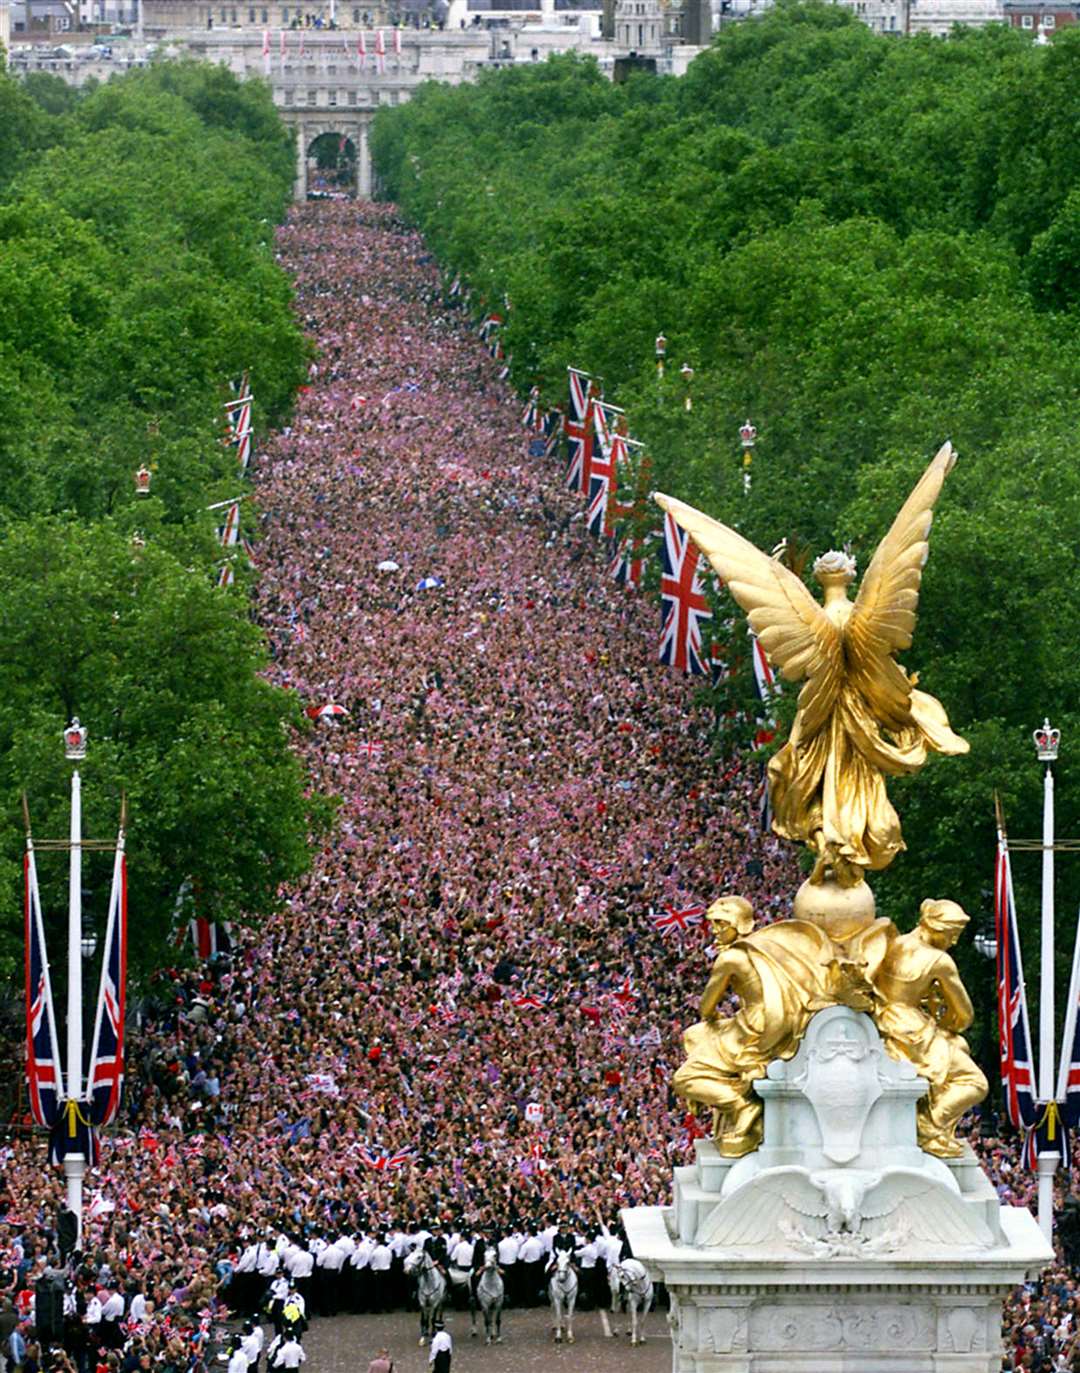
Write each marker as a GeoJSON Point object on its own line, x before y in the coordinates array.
{"type": "Point", "coordinates": [838, 1246]}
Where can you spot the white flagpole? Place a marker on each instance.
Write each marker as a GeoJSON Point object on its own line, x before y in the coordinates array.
{"type": "Point", "coordinates": [1046, 744]}
{"type": "Point", "coordinates": [75, 1164]}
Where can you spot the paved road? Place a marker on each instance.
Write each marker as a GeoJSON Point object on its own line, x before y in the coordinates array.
{"type": "Point", "coordinates": [345, 1345]}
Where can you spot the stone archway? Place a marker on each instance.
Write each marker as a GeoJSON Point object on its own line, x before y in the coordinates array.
{"type": "Point", "coordinates": [352, 127]}
{"type": "Point", "coordinates": [331, 165]}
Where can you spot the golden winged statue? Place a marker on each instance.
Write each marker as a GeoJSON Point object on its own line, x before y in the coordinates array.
{"type": "Point", "coordinates": [860, 718]}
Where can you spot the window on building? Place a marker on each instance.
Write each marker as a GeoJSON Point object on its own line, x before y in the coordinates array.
{"type": "Point", "coordinates": [332, 69]}
{"type": "Point", "coordinates": [288, 95]}
{"type": "Point", "coordinates": [352, 96]}
{"type": "Point", "coordinates": [356, 14]}
{"type": "Point", "coordinates": [312, 97]}
{"type": "Point", "coordinates": [264, 16]}
{"type": "Point", "coordinates": [224, 16]}
{"type": "Point", "coordinates": [641, 35]}
{"type": "Point", "coordinates": [1027, 21]}
{"type": "Point", "coordinates": [284, 16]}
{"type": "Point", "coordinates": [1048, 21]}
{"type": "Point", "coordinates": [251, 15]}
{"type": "Point", "coordinates": [234, 18]}
{"type": "Point", "coordinates": [332, 97]}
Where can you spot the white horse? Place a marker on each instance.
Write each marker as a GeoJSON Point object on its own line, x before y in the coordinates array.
{"type": "Point", "coordinates": [430, 1290]}
{"type": "Point", "coordinates": [632, 1289]}
{"type": "Point", "coordinates": [490, 1294]}
{"type": "Point", "coordinates": [562, 1293]}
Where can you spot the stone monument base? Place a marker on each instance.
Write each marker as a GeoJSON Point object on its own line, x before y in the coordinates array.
{"type": "Point", "coordinates": [838, 1246]}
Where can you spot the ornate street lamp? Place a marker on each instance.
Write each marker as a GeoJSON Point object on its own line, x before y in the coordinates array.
{"type": "Point", "coordinates": [687, 374]}
{"type": "Point", "coordinates": [143, 478]}
{"type": "Point", "coordinates": [747, 437]}
{"type": "Point", "coordinates": [661, 353]}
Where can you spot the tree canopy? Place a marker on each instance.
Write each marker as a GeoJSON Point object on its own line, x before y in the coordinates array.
{"type": "Point", "coordinates": [137, 280]}
{"type": "Point", "coordinates": [867, 245]}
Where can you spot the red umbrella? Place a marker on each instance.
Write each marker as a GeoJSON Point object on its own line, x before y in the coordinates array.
{"type": "Point", "coordinates": [325, 712]}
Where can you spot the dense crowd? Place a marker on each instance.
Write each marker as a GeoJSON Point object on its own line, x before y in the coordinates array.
{"type": "Point", "coordinates": [462, 1024]}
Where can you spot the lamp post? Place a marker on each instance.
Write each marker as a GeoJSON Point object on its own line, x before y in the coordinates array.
{"type": "Point", "coordinates": [687, 374]}
{"type": "Point", "coordinates": [661, 353]}
{"type": "Point", "coordinates": [75, 1164]}
{"type": "Point", "coordinates": [747, 437]}
{"type": "Point", "coordinates": [1047, 740]}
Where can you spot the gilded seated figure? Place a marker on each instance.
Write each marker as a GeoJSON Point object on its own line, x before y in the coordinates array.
{"type": "Point", "coordinates": [922, 1010]}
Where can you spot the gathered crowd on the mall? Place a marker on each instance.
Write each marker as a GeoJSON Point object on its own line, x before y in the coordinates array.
{"type": "Point", "coordinates": [461, 1028]}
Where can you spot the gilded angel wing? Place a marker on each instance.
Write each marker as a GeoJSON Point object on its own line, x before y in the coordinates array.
{"type": "Point", "coordinates": [882, 620]}
{"type": "Point", "coordinates": [793, 628]}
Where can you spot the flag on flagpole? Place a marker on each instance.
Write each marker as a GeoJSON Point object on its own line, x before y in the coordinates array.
{"type": "Point", "coordinates": [380, 52]}
{"type": "Point", "coordinates": [43, 1077]}
{"type": "Point", "coordinates": [229, 532]}
{"type": "Point", "coordinates": [1068, 1088]}
{"type": "Point", "coordinates": [105, 1078]}
{"type": "Point", "coordinates": [281, 44]}
{"type": "Point", "coordinates": [1017, 1063]}
{"type": "Point", "coordinates": [300, 52]}
{"type": "Point", "coordinates": [600, 475]}
{"type": "Point", "coordinates": [208, 938]}
{"type": "Point", "coordinates": [397, 42]}
{"type": "Point", "coordinates": [266, 51]}
{"type": "Point", "coordinates": [767, 685]}
{"type": "Point", "coordinates": [579, 428]}
{"type": "Point", "coordinates": [361, 47]}
{"type": "Point", "coordinates": [684, 608]}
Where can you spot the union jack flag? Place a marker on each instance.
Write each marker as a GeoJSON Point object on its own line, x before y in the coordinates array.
{"type": "Point", "coordinates": [208, 938]}
{"type": "Point", "coordinates": [105, 1079]}
{"type": "Point", "coordinates": [625, 999]}
{"type": "Point", "coordinates": [229, 533]}
{"type": "Point", "coordinates": [684, 608]}
{"type": "Point", "coordinates": [601, 475]}
{"type": "Point", "coordinates": [371, 749]}
{"type": "Point", "coordinates": [553, 429]}
{"type": "Point", "coordinates": [579, 428]}
{"type": "Point", "coordinates": [1069, 1077]}
{"type": "Point", "coordinates": [681, 918]}
{"type": "Point", "coordinates": [384, 1159]}
{"type": "Point", "coordinates": [530, 1001]}
{"type": "Point", "coordinates": [488, 326]}
{"type": "Point", "coordinates": [43, 1078]}
{"type": "Point", "coordinates": [627, 564]}
{"type": "Point", "coordinates": [533, 417]}
{"type": "Point", "coordinates": [1017, 1065]}
{"type": "Point", "coordinates": [764, 676]}
{"type": "Point", "coordinates": [238, 413]}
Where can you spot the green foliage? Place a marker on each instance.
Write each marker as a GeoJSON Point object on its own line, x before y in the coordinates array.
{"type": "Point", "coordinates": [137, 279]}
{"type": "Point", "coordinates": [868, 245]}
